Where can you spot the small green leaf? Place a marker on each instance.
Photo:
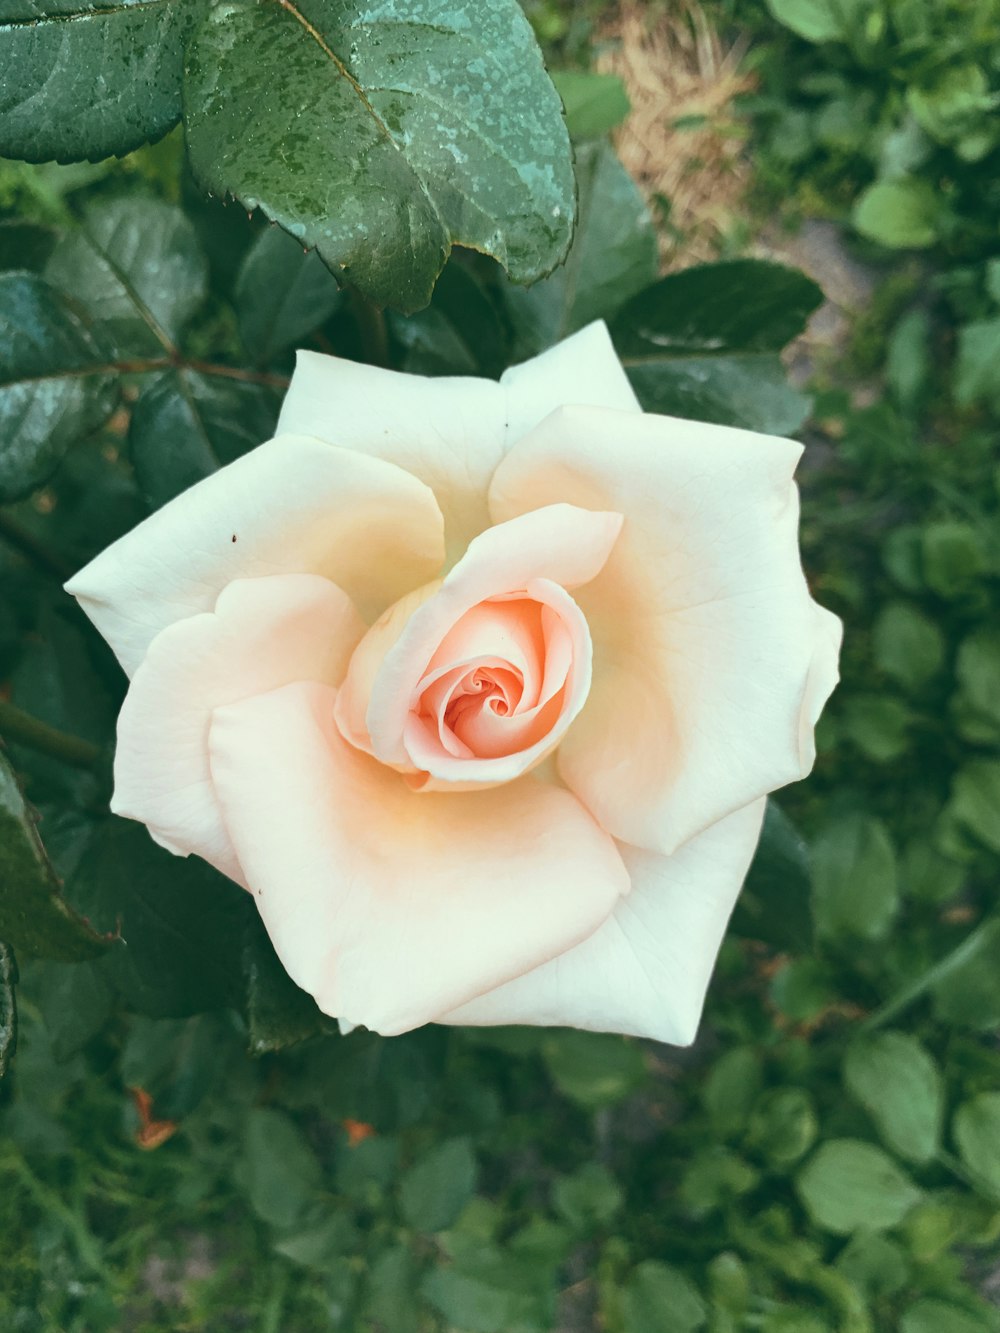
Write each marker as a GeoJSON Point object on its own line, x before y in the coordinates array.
{"type": "Point", "coordinates": [488, 1291]}
{"type": "Point", "coordinates": [55, 383]}
{"type": "Point", "coordinates": [386, 136]}
{"type": "Point", "coordinates": [8, 1007]}
{"type": "Point", "coordinates": [589, 1198]}
{"type": "Point", "coordinates": [899, 1085]}
{"type": "Point", "coordinates": [976, 363]}
{"type": "Point", "coordinates": [613, 256]}
{"type": "Point", "coordinates": [595, 103]}
{"type": "Point", "coordinates": [731, 1088]}
{"type": "Point", "coordinates": [874, 1263]}
{"type": "Point", "coordinates": [89, 80]}
{"type": "Point", "coordinates": [848, 1185]}
{"type": "Point", "coordinates": [659, 1296]}
{"type": "Point", "coordinates": [907, 644]}
{"type": "Point", "coordinates": [594, 1069]}
{"type": "Point", "coordinates": [976, 1129]}
{"type": "Point", "coordinates": [802, 989]}
{"type": "Point", "coordinates": [933, 1316]}
{"type": "Point", "coordinates": [815, 20]}
{"type": "Point", "coordinates": [279, 1014]}
{"type": "Point", "coordinates": [783, 1126]}
{"type": "Point", "coordinates": [436, 1188]}
{"type": "Point", "coordinates": [186, 425]}
{"type": "Point", "coordinates": [703, 343]}
{"type": "Point", "coordinates": [137, 267]}
{"type": "Point", "coordinates": [977, 667]}
{"type": "Point", "coordinates": [974, 803]}
{"type": "Point", "coordinates": [878, 725]}
{"type": "Point", "coordinates": [855, 893]}
{"type": "Point", "coordinates": [279, 1170]}
{"type": "Point", "coordinates": [900, 214]}
{"type": "Point", "coordinates": [774, 903]}
{"type": "Point", "coordinates": [954, 557]}
{"type": "Point", "coordinates": [283, 293]}
{"type": "Point", "coordinates": [35, 919]}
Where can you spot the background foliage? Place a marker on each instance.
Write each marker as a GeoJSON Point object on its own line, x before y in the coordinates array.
{"type": "Point", "coordinates": [186, 1145]}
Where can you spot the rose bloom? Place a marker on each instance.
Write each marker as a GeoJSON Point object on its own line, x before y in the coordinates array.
{"type": "Point", "coordinates": [478, 688]}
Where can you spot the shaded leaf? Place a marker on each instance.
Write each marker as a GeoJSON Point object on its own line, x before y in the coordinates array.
{"type": "Point", "coordinates": [35, 919]}
{"type": "Point", "coordinates": [613, 256]}
{"type": "Point", "coordinates": [55, 381]}
{"type": "Point", "coordinates": [703, 343]}
{"type": "Point", "coordinates": [855, 890]}
{"type": "Point", "coordinates": [279, 1014]}
{"type": "Point", "coordinates": [137, 267]}
{"type": "Point", "coordinates": [186, 425]}
{"type": "Point", "coordinates": [386, 136]}
{"type": "Point", "coordinates": [279, 1170]}
{"type": "Point", "coordinates": [462, 331]}
{"type": "Point", "coordinates": [25, 245]}
{"type": "Point", "coordinates": [774, 903]}
{"type": "Point", "coordinates": [282, 294]}
{"type": "Point", "coordinates": [594, 1069]}
{"type": "Point", "coordinates": [131, 52]}
{"type": "Point", "coordinates": [435, 1189]}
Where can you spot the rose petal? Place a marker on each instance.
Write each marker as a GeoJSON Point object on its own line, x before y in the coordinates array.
{"type": "Point", "coordinates": [559, 544]}
{"type": "Point", "coordinates": [263, 633]}
{"type": "Point", "coordinates": [450, 432]}
{"type": "Point", "coordinates": [390, 907]}
{"type": "Point", "coordinates": [646, 970]}
{"type": "Point", "coordinates": [291, 506]}
{"type": "Point", "coordinates": [711, 661]}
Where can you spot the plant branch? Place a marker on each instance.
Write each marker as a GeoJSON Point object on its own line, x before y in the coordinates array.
{"type": "Point", "coordinates": [943, 968]}
{"type": "Point", "coordinates": [24, 729]}
{"type": "Point", "coordinates": [371, 328]}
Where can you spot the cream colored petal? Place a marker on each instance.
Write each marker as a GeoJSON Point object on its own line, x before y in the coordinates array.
{"type": "Point", "coordinates": [387, 906]}
{"type": "Point", "coordinates": [646, 970]}
{"type": "Point", "coordinates": [263, 633]}
{"type": "Point", "coordinates": [292, 505]}
{"type": "Point", "coordinates": [710, 658]}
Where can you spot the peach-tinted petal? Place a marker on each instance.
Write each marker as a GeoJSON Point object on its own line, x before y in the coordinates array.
{"type": "Point", "coordinates": [387, 906]}
{"type": "Point", "coordinates": [646, 970]}
{"type": "Point", "coordinates": [710, 658]}
{"type": "Point", "coordinates": [450, 432]}
{"type": "Point", "coordinates": [291, 506]}
{"type": "Point", "coordinates": [559, 544]}
{"type": "Point", "coordinates": [263, 633]}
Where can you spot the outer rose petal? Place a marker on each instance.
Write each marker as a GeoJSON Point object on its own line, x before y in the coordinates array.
{"type": "Point", "coordinates": [263, 633]}
{"type": "Point", "coordinates": [291, 506]}
{"type": "Point", "coordinates": [711, 661]}
{"type": "Point", "coordinates": [387, 906]}
{"type": "Point", "coordinates": [645, 972]}
{"type": "Point", "coordinates": [450, 432]}
{"type": "Point", "coordinates": [563, 544]}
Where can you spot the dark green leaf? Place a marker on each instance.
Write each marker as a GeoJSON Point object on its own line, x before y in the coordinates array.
{"type": "Point", "coordinates": [594, 1069]}
{"type": "Point", "coordinates": [386, 135]}
{"type": "Point", "coordinates": [774, 904]}
{"type": "Point", "coordinates": [975, 801]}
{"type": "Point", "coordinates": [25, 245]}
{"type": "Point", "coordinates": [186, 425]}
{"type": "Point", "coordinates": [8, 1007]}
{"type": "Point", "coordinates": [848, 1184]}
{"type": "Point", "coordinates": [661, 1297]}
{"type": "Point", "coordinates": [908, 645]}
{"type": "Point", "coordinates": [490, 1292]}
{"type": "Point", "coordinates": [703, 343]}
{"type": "Point", "coordinates": [178, 1060]}
{"type": "Point", "coordinates": [954, 557]}
{"type": "Point", "coordinates": [137, 267]}
{"type": "Point", "coordinates": [855, 892]}
{"type": "Point", "coordinates": [434, 1191]}
{"type": "Point", "coordinates": [898, 1083]}
{"type": "Point", "coordinates": [55, 381]}
{"type": "Point", "coordinates": [613, 256]}
{"type": "Point", "coordinates": [589, 1198]}
{"type": "Point", "coordinates": [278, 1012]}
{"type": "Point", "coordinates": [74, 1002]}
{"type": "Point", "coordinates": [802, 989]}
{"type": "Point", "coordinates": [279, 1169]}
{"type": "Point", "coordinates": [462, 331]}
{"type": "Point", "coordinates": [35, 919]}
{"type": "Point", "coordinates": [731, 1088]}
{"type": "Point", "coordinates": [182, 923]}
{"type": "Point", "coordinates": [595, 103]}
{"type": "Point", "coordinates": [89, 80]}
{"type": "Point", "coordinates": [282, 294]}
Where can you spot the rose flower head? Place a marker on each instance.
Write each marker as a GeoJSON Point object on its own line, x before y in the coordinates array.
{"type": "Point", "coordinates": [478, 688]}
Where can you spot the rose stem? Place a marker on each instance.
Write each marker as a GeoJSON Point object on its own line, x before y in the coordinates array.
{"type": "Point", "coordinates": [20, 727]}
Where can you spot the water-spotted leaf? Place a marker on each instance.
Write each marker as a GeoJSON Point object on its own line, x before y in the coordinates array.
{"type": "Point", "coordinates": [55, 381]}
{"type": "Point", "coordinates": [703, 343]}
{"type": "Point", "coordinates": [85, 80]}
{"type": "Point", "coordinates": [35, 919]}
{"type": "Point", "coordinates": [8, 1007]}
{"type": "Point", "coordinates": [387, 134]}
{"type": "Point", "coordinates": [186, 425]}
{"type": "Point", "coordinates": [613, 256]}
{"type": "Point", "coordinates": [138, 269]}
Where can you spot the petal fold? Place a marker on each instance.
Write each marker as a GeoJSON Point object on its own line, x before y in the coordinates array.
{"type": "Point", "coordinates": [646, 970]}
{"type": "Point", "coordinates": [263, 633]}
{"type": "Point", "coordinates": [391, 908]}
{"type": "Point", "coordinates": [291, 506]}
